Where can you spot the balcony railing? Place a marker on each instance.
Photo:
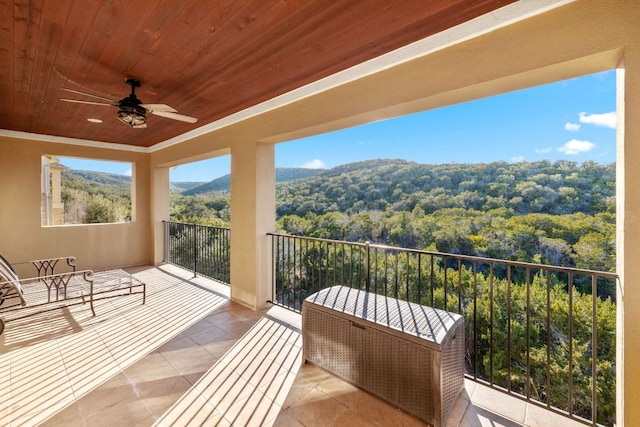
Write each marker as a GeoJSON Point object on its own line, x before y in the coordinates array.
{"type": "Point", "coordinates": [201, 249]}
{"type": "Point", "coordinates": [542, 333]}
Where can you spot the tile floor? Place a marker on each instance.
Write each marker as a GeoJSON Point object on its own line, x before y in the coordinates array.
{"type": "Point", "coordinates": [191, 357]}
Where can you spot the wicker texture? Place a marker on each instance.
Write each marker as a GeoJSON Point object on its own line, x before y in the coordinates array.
{"type": "Point", "coordinates": [409, 355]}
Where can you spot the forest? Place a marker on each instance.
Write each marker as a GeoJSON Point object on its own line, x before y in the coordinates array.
{"type": "Point", "coordinates": [559, 213]}
{"type": "Point", "coordinates": [91, 197]}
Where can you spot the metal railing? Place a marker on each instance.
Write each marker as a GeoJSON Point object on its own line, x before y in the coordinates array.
{"type": "Point", "coordinates": [541, 333]}
{"type": "Point", "coordinates": [200, 248]}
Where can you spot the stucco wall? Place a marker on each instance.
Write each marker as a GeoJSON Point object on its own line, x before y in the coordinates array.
{"type": "Point", "coordinates": [97, 246]}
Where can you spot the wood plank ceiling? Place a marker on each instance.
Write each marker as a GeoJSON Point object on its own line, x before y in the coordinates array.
{"type": "Point", "coordinates": [207, 59]}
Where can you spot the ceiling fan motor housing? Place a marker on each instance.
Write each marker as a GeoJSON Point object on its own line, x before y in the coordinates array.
{"type": "Point", "coordinates": [130, 112]}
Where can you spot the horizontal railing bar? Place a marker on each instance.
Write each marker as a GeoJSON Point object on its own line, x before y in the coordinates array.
{"type": "Point", "coordinates": [194, 224]}
{"type": "Point", "coordinates": [471, 258]}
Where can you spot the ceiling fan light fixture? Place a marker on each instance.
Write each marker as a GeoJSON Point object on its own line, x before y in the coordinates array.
{"type": "Point", "coordinates": [132, 116]}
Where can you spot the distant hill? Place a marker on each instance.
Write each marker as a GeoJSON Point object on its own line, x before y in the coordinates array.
{"type": "Point", "coordinates": [73, 177]}
{"type": "Point", "coordinates": [559, 188]}
{"type": "Point", "coordinates": [219, 184]}
{"type": "Point", "coordinates": [179, 187]}
{"type": "Point", "coordinates": [224, 182]}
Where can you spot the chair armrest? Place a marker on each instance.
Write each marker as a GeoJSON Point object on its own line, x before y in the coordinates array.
{"type": "Point", "coordinates": [46, 267]}
{"type": "Point", "coordinates": [58, 280]}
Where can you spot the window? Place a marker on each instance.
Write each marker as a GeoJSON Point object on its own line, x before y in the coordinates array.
{"type": "Point", "coordinates": [85, 191]}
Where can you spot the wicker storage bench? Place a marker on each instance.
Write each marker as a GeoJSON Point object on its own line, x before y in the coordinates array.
{"type": "Point", "coordinates": [410, 355]}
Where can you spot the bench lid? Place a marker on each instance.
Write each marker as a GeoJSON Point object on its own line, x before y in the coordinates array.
{"type": "Point", "coordinates": [422, 322]}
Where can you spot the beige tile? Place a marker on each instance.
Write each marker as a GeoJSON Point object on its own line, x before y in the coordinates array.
{"type": "Point", "coordinates": [263, 373]}
{"type": "Point", "coordinates": [190, 409]}
{"type": "Point", "coordinates": [178, 344]}
{"type": "Point", "coordinates": [279, 388]}
{"type": "Point", "coordinates": [39, 379]}
{"type": "Point", "coordinates": [284, 419]}
{"type": "Point", "coordinates": [497, 402]}
{"type": "Point", "coordinates": [255, 410]}
{"type": "Point", "coordinates": [219, 316]}
{"type": "Point", "coordinates": [476, 416]}
{"type": "Point", "coordinates": [85, 381]}
{"type": "Point", "coordinates": [377, 411]}
{"type": "Point", "coordinates": [285, 316]}
{"type": "Point", "coordinates": [160, 394]}
{"type": "Point", "coordinates": [188, 357]}
{"type": "Point", "coordinates": [298, 389]}
{"type": "Point", "coordinates": [5, 384]}
{"type": "Point", "coordinates": [457, 412]}
{"type": "Point", "coordinates": [47, 405]}
{"type": "Point", "coordinates": [469, 386]}
{"type": "Point", "coordinates": [114, 392]}
{"type": "Point", "coordinates": [220, 348]}
{"type": "Point", "coordinates": [312, 373]}
{"type": "Point", "coordinates": [406, 420]}
{"type": "Point", "coordinates": [152, 367]}
{"type": "Point", "coordinates": [205, 333]}
{"type": "Point", "coordinates": [541, 417]}
{"type": "Point", "coordinates": [124, 413]}
{"type": "Point", "coordinates": [68, 417]}
{"type": "Point", "coordinates": [222, 388]}
{"type": "Point", "coordinates": [196, 328]}
{"type": "Point", "coordinates": [235, 328]}
{"type": "Point", "coordinates": [341, 390]}
{"type": "Point", "coordinates": [351, 418]}
{"type": "Point", "coordinates": [317, 408]}
{"type": "Point", "coordinates": [287, 355]}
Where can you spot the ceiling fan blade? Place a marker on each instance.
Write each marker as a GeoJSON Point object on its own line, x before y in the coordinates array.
{"type": "Point", "coordinates": [86, 102]}
{"type": "Point", "coordinates": [87, 94]}
{"type": "Point", "coordinates": [152, 108]}
{"type": "Point", "coordinates": [175, 116]}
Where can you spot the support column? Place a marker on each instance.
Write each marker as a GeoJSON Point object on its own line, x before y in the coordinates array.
{"type": "Point", "coordinates": [160, 205]}
{"type": "Point", "coordinates": [628, 243]}
{"type": "Point", "coordinates": [253, 215]}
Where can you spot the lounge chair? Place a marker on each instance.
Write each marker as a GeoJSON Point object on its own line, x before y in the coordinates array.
{"type": "Point", "coordinates": [50, 289]}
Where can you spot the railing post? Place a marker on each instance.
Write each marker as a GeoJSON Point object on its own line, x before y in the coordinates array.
{"type": "Point", "coordinates": [195, 250]}
{"type": "Point", "coordinates": [165, 255]}
{"type": "Point", "coordinates": [367, 272]}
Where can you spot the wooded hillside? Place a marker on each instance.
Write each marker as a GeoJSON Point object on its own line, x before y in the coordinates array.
{"type": "Point", "coordinates": [557, 213]}
{"type": "Point", "coordinates": [95, 197]}
{"type": "Point", "coordinates": [560, 213]}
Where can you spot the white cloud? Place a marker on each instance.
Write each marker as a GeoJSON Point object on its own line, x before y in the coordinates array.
{"type": "Point", "coordinates": [575, 146]}
{"type": "Point", "coordinates": [605, 120]}
{"type": "Point", "coordinates": [571, 126]}
{"type": "Point", "coordinates": [543, 150]}
{"type": "Point", "coordinates": [517, 159]}
{"type": "Point", "coordinates": [313, 164]}
{"type": "Point", "coordinates": [127, 173]}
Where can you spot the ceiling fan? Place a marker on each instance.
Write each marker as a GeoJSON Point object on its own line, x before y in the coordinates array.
{"type": "Point", "coordinates": [131, 111]}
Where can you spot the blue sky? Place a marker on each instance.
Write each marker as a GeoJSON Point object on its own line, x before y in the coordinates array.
{"type": "Point", "coordinates": [572, 119]}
